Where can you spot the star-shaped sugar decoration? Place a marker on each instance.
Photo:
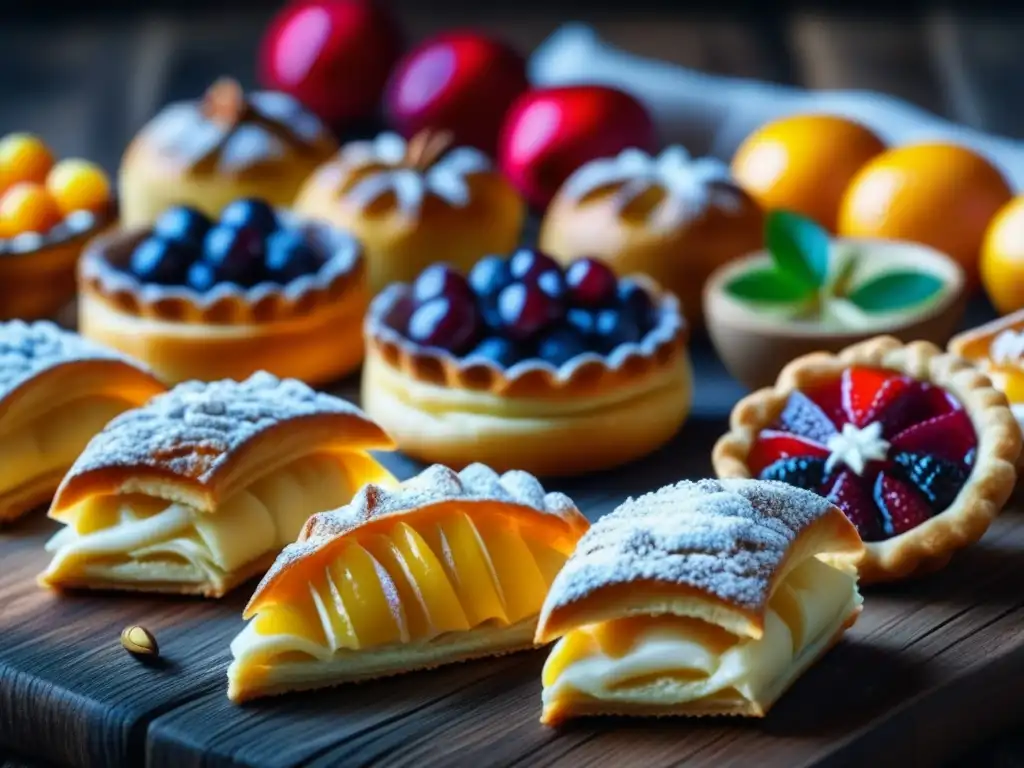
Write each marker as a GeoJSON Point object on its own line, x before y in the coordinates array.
{"type": "Point", "coordinates": [854, 447]}
{"type": "Point", "coordinates": [447, 178]}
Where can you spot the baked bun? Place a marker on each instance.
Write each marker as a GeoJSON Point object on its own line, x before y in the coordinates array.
{"type": "Point", "coordinates": [225, 146]}
{"type": "Point", "coordinates": [416, 203]}
{"type": "Point", "coordinates": [702, 598]}
{"type": "Point", "coordinates": [671, 217]}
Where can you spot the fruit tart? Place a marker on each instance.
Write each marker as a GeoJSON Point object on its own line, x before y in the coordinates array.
{"type": "Point", "coordinates": [222, 147]}
{"type": "Point", "coordinates": [57, 390]}
{"type": "Point", "coordinates": [914, 445]}
{"type": "Point", "coordinates": [524, 365]}
{"type": "Point", "coordinates": [446, 567]}
{"type": "Point", "coordinates": [671, 217]}
{"type": "Point", "coordinates": [199, 489]}
{"type": "Point", "coordinates": [255, 290]}
{"type": "Point", "coordinates": [702, 598]}
{"type": "Point", "coordinates": [415, 203]}
{"type": "Point", "coordinates": [997, 349]}
{"type": "Point", "coordinates": [48, 211]}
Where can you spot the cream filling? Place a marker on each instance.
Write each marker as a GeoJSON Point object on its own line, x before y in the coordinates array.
{"type": "Point", "coordinates": [51, 442]}
{"type": "Point", "coordinates": [142, 539]}
{"type": "Point", "coordinates": [666, 666]}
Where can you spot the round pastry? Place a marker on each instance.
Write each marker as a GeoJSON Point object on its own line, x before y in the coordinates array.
{"type": "Point", "coordinates": [914, 445]}
{"type": "Point", "coordinates": [671, 217]}
{"type": "Point", "coordinates": [412, 204]}
{"type": "Point", "coordinates": [48, 211]}
{"type": "Point", "coordinates": [224, 146]}
{"type": "Point", "coordinates": [256, 290]}
{"type": "Point", "coordinates": [525, 366]}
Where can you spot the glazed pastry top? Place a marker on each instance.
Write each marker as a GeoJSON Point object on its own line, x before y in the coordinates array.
{"type": "Point", "coordinates": [1007, 348]}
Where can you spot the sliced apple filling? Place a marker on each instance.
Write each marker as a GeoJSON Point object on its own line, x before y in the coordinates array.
{"type": "Point", "coordinates": [412, 588]}
{"type": "Point", "coordinates": [669, 661]}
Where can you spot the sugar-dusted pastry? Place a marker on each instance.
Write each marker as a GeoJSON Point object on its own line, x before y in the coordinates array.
{"type": "Point", "coordinates": [200, 489]}
{"type": "Point", "coordinates": [48, 210]}
{"type": "Point", "coordinates": [255, 290]}
{"type": "Point", "coordinates": [706, 598]}
{"type": "Point", "coordinates": [997, 349]}
{"type": "Point", "coordinates": [914, 445]}
{"type": "Point", "coordinates": [416, 203]}
{"type": "Point", "coordinates": [671, 217]}
{"type": "Point", "coordinates": [223, 146]}
{"type": "Point", "coordinates": [525, 366]}
{"type": "Point", "coordinates": [444, 568]}
{"type": "Point", "coordinates": [57, 390]}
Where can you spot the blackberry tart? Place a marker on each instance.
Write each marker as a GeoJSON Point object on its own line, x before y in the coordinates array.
{"type": "Point", "coordinates": [524, 365]}
{"type": "Point", "coordinates": [255, 290]}
{"type": "Point", "coordinates": [914, 445]}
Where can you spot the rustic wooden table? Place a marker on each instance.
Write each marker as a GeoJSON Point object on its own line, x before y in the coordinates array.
{"type": "Point", "coordinates": [87, 85]}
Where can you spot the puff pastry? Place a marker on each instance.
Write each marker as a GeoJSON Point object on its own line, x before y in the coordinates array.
{"type": "Point", "coordinates": [445, 568]}
{"type": "Point", "coordinates": [706, 598]}
{"type": "Point", "coordinates": [201, 488]}
{"type": "Point", "coordinates": [57, 390]}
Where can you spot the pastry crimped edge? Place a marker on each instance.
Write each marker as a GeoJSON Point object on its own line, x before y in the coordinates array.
{"type": "Point", "coordinates": [931, 545]}
{"type": "Point", "coordinates": [309, 328]}
{"type": "Point", "coordinates": [828, 531]}
{"type": "Point", "coordinates": [642, 391]}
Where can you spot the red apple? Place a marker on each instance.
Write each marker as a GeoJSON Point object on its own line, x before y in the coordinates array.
{"type": "Point", "coordinates": [462, 82]}
{"type": "Point", "coordinates": [332, 55]}
{"type": "Point", "coordinates": [549, 133]}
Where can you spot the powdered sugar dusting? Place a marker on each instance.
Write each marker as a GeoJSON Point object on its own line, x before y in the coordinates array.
{"type": "Point", "coordinates": [724, 537]}
{"type": "Point", "coordinates": [193, 429]}
{"type": "Point", "coordinates": [29, 349]}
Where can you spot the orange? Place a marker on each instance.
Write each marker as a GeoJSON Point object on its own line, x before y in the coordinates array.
{"type": "Point", "coordinates": [804, 163]}
{"type": "Point", "coordinates": [27, 207]}
{"type": "Point", "coordinates": [1002, 258]}
{"type": "Point", "coordinates": [942, 195]}
{"type": "Point", "coordinates": [78, 185]}
{"type": "Point", "coordinates": [23, 157]}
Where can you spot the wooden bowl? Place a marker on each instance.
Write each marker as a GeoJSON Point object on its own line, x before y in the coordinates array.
{"type": "Point", "coordinates": [755, 345]}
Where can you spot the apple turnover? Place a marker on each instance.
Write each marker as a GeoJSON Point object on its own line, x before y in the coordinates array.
{"type": "Point", "coordinates": [445, 568]}
{"type": "Point", "coordinates": [705, 598]}
{"type": "Point", "coordinates": [57, 390]}
{"type": "Point", "coordinates": [201, 488]}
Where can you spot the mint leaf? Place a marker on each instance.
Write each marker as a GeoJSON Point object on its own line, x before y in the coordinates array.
{"type": "Point", "coordinates": [895, 291]}
{"type": "Point", "coordinates": [798, 246]}
{"type": "Point", "coordinates": [768, 286]}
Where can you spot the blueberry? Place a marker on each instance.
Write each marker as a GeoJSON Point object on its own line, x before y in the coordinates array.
{"type": "Point", "coordinates": [289, 256]}
{"type": "Point", "coordinates": [182, 224]}
{"type": "Point", "coordinates": [235, 254]}
{"type": "Point", "coordinates": [489, 276]}
{"type": "Point", "coordinates": [635, 303]}
{"type": "Point", "coordinates": [251, 213]}
{"type": "Point", "coordinates": [614, 327]}
{"type": "Point", "coordinates": [552, 283]}
{"type": "Point", "coordinates": [500, 350]}
{"type": "Point", "coordinates": [561, 345]}
{"type": "Point", "coordinates": [202, 276]}
{"type": "Point", "coordinates": [583, 320]}
{"type": "Point", "coordinates": [160, 261]}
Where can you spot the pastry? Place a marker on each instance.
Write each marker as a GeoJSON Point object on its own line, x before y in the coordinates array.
{"type": "Point", "coordinates": [57, 390]}
{"type": "Point", "coordinates": [446, 567]}
{"type": "Point", "coordinates": [48, 211]}
{"type": "Point", "coordinates": [997, 349]}
{"type": "Point", "coordinates": [705, 598]}
{"type": "Point", "coordinates": [258, 290]}
{"type": "Point", "coordinates": [199, 489]}
{"type": "Point", "coordinates": [915, 446]}
{"type": "Point", "coordinates": [416, 203]}
{"type": "Point", "coordinates": [525, 366]}
{"type": "Point", "coordinates": [224, 146]}
{"type": "Point", "coordinates": [670, 217]}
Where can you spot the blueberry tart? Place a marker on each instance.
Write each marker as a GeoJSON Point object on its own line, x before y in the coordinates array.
{"type": "Point", "coordinates": [254, 290]}
{"type": "Point", "coordinates": [415, 203]}
{"type": "Point", "coordinates": [224, 146]}
{"type": "Point", "coordinates": [525, 365]}
{"type": "Point", "coordinates": [914, 445]}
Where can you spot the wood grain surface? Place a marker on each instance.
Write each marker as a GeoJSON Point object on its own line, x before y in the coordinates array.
{"type": "Point", "coordinates": [931, 671]}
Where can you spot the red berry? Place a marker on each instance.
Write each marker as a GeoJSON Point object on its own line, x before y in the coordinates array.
{"type": "Point", "coordinates": [489, 275]}
{"type": "Point", "coordinates": [772, 445]}
{"type": "Point", "coordinates": [445, 323]}
{"type": "Point", "coordinates": [901, 507]}
{"type": "Point", "coordinates": [527, 265]}
{"type": "Point", "coordinates": [802, 416]}
{"type": "Point", "coordinates": [525, 310]}
{"type": "Point", "coordinates": [848, 492]}
{"type": "Point", "coordinates": [949, 437]}
{"type": "Point", "coordinates": [828, 396]}
{"type": "Point", "coordinates": [441, 280]}
{"type": "Point", "coordinates": [591, 283]}
{"type": "Point", "coordinates": [868, 392]}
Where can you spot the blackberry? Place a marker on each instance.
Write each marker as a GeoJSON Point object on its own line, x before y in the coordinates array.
{"type": "Point", "coordinates": [937, 480]}
{"type": "Point", "coordinates": [805, 472]}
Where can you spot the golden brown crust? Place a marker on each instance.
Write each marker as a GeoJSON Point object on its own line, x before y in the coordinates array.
{"type": "Point", "coordinates": [930, 545]}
